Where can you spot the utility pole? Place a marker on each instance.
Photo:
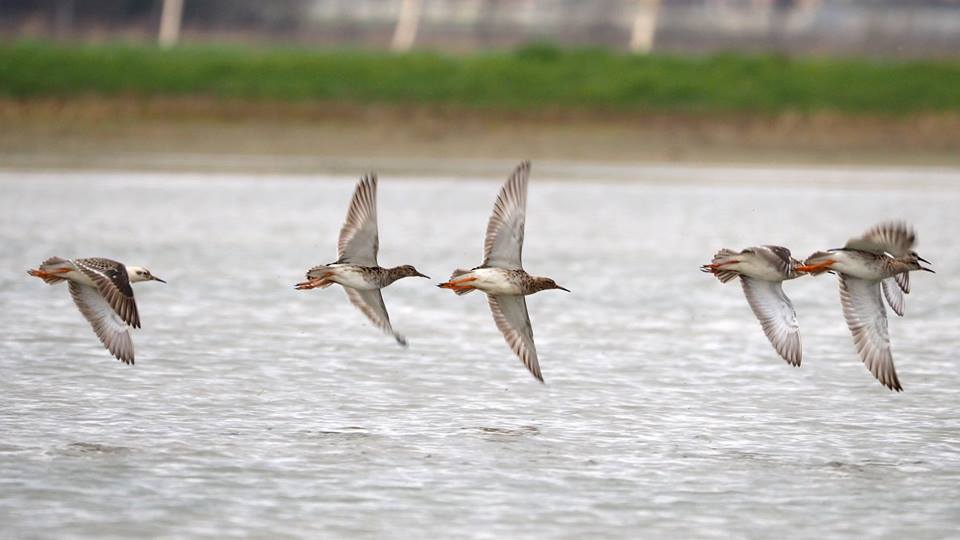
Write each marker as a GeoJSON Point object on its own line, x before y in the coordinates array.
{"type": "Point", "coordinates": [644, 26]}
{"type": "Point", "coordinates": [406, 31]}
{"type": "Point", "coordinates": [170, 18]}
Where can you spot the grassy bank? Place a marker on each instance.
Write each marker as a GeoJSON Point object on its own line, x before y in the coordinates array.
{"type": "Point", "coordinates": [536, 77]}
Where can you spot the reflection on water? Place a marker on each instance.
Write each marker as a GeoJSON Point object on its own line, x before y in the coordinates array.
{"type": "Point", "coordinates": [257, 410]}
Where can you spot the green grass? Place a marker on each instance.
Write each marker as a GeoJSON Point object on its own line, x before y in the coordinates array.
{"type": "Point", "coordinates": [532, 77]}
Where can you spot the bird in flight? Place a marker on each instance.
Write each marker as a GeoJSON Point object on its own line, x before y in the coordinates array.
{"type": "Point", "coordinates": [101, 289]}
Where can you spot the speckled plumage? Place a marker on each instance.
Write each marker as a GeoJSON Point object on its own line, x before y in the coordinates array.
{"type": "Point", "coordinates": [879, 260]}
{"type": "Point", "coordinates": [101, 289]}
{"type": "Point", "coordinates": [501, 276]}
{"type": "Point", "coordinates": [356, 268]}
{"type": "Point", "coordinates": [762, 270]}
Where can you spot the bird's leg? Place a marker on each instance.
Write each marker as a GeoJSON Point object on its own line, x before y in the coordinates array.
{"type": "Point", "coordinates": [815, 268]}
{"type": "Point", "coordinates": [715, 267]}
{"type": "Point", "coordinates": [312, 284]}
{"type": "Point", "coordinates": [455, 283]}
{"type": "Point", "coordinates": [46, 274]}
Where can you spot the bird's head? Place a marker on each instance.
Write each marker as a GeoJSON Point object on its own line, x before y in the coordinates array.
{"type": "Point", "coordinates": [139, 273]}
{"type": "Point", "coordinates": [912, 262]}
{"type": "Point", "coordinates": [409, 271]}
{"type": "Point", "coordinates": [544, 284]}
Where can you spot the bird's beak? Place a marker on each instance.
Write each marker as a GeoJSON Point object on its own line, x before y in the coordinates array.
{"type": "Point", "coordinates": [927, 269]}
{"type": "Point", "coordinates": [563, 288]}
{"type": "Point", "coordinates": [921, 259]}
{"type": "Point", "coordinates": [155, 278]}
{"type": "Point", "coordinates": [421, 275]}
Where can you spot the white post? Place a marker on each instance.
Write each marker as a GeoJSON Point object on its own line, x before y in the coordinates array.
{"type": "Point", "coordinates": [406, 31]}
{"type": "Point", "coordinates": [170, 18]}
{"type": "Point", "coordinates": [644, 26]}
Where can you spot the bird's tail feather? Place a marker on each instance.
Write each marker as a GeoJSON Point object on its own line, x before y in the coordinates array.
{"type": "Point", "coordinates": [460, 291]}
{"type": "Point", "coordinates": [47, 270]}
{"type": "Point", "coordinates": [318, 272]}
{"type": "Point", "coordinates": [720, 257]}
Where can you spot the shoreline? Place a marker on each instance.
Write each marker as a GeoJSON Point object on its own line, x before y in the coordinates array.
{"type": "Point", "coordinates": [270, 136]}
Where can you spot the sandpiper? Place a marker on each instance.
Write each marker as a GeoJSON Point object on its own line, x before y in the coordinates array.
{"type": "Point", "coordinates": [356, 269]}
{"type": "Point", "coordinates": [864, 265]}
{"type": "Point", "coordinates": [762, 271]}
{"type": "Point", "coordinates": [101, 290]}
{"type": "Point", "coordinates": [501, 275]}
{"type": "Point", "coordinates": [897, 239]}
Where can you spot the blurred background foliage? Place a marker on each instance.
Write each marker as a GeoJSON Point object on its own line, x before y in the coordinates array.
{"type": "Point", "coordinates": [666, 80]}
{"type": "Point", "coordinates": [535, 76]}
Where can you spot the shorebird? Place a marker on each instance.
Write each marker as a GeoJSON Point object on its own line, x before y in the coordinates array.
{"type": "Point", "coordinates": [101, 290]}
{"type": "Point", "coordinates": [879, 259]}
{"type": "Point", "coordinates": [762, 271]}
{"type": "Point", "coordinates": [501, 275]}
{"type": "Point", "coordinates": [356, 268]}
{"type": "Point", "coordinates": [896, 239]}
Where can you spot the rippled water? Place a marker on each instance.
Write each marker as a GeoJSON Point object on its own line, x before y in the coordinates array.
{"type": "Point", "coordinates": [258, 410]}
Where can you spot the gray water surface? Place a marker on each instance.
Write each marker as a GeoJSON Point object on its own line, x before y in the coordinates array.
{"type": "Point", "coordinates": [255, 410]}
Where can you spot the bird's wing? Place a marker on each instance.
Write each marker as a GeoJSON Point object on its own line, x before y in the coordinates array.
{"type": "Point", "coordinates": [359, 240]}
{"type": "Point", "coordinates": [113, 332]}
{"type": "Point", "coordinates": [894, 295]}
{"type": "Point", "coordinates": [113, 283]}
{"type": "Point", "coordinates": [776, 315]}
{"type": "Point", "coordinates": [510, 314]}
{"type": "Point", "coordinates": [903, 281]}
{"type": "Point", "coordinates": [370, 303]}
{"type": "Point", "coordinates": [503, 244]}
{"type": "Point", "coordinates": [867, 319]}
{"type": "Point", "coordinates": [779, 257]}
{"type": "Point", "coordinates": [893, 237]}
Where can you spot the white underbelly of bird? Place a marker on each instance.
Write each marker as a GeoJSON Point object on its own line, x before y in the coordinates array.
{"type": "Point", "coordinates": [756, 269]}
{"type": "Point", "coordinates": [350, 276]}
{"type": "Point", "coordinates": [846, 264]}
{"type": "Point", "coordinates": [80, 278]}
{"type": "Point", "coordinates": [493, 281]}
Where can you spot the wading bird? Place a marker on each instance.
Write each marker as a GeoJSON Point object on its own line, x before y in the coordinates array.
{"type": "Point", "coordinates": [356, 269]}
{"type": "Point", "coordinates": [502, 276]}
{"type": "Point", "coordinates": [880, 259]}
{"type": "Point", "coordinates": [101, 290]}
{"type": "Point", "coordinates": [762, 271]}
